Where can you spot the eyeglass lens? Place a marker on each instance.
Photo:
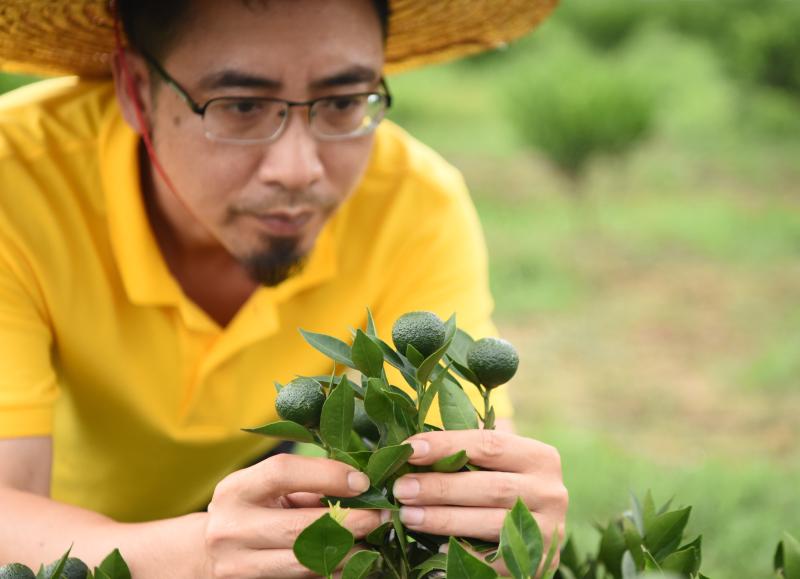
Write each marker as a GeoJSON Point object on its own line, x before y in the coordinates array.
{"type": "Point", "coordinates": [262, 119]}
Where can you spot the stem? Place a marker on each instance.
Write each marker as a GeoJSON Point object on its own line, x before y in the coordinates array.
{"type": "Point", "coordinates": [400, 535]}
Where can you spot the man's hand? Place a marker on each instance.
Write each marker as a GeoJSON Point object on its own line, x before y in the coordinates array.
{"type": "Point", "coordinates": [257, 513]}
{"type": "Point", "coordinates": [474, 504]}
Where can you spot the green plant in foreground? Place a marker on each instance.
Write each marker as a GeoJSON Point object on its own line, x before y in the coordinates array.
{"type": "Point", "coordinates": [112, 567]}
{"type": "Point", "coordinates": [364, 424]}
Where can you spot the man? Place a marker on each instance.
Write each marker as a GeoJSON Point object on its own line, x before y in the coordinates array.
{"type": "Point", "coordinates": [163, 237]}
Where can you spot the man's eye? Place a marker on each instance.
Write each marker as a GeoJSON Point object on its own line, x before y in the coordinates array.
{"type": "Point", "coordinates": [343, 104]}
{"type": "Point", "coordinates": [244, 107]}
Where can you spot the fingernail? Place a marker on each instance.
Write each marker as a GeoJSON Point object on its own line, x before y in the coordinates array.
{"type": "Point", "coordinates": [421, 448]}
{"type": "Point", "coordinates": [357, 481]}
{"type": "Point", "coordinates": [386, 516]}
{"type": "Point", "coordinates": [406, 488]}
{"type": "Point", "coordinates": [412, 516]}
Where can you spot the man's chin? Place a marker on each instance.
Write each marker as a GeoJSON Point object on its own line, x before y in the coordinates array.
{"type": "Point", "coordinates": [272, 266]}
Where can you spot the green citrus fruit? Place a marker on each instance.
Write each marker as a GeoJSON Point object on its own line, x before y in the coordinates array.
{"type": "Point", "coordinates": [363, 424]}
{"type": "Point", "coordinates": [73, 569]}
{"type": "Point", "coordinates": [301, 401]}
{"type": "Point", "coordinates": [423, 330]}
{"type": "Point", "coordinates": [16, 571]}
{"type": "Point", "coordinates": [493, 360]}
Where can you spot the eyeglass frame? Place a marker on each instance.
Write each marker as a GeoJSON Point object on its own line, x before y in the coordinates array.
{"type": "Point", "coordinates": [200, 110]}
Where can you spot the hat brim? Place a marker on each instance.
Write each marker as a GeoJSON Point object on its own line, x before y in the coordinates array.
{"type": "Point", "coordinates": [77, 37]}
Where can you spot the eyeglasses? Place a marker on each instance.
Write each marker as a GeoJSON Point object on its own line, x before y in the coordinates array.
{"type": "Point", "coordinates": [252, 120]}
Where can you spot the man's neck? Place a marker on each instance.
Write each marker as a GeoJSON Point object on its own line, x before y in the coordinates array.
{"type": "Point", "coordinates": [207, 273]}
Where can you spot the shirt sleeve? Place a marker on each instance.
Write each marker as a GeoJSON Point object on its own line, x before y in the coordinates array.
{"type": "Point", "coordinates": [442, 267]}
{"type": "Point", "coordinates": [27, 379]}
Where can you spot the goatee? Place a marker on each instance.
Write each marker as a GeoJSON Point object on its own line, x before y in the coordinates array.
{"type": "Point", "coordinates": [273, 266]}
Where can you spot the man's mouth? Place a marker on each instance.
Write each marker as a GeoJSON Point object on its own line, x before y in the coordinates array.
{"type": "Point", "coordinates": [283, 223]}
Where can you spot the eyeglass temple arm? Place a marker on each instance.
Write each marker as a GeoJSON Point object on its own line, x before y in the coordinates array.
{"type": "Point", "coordinates": [182, 92]}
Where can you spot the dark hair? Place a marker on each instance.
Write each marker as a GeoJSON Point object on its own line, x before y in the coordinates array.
{"type": "Point", "coordinates": [153, 25]}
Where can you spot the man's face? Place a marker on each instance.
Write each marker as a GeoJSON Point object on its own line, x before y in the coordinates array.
{"type": "Point", "coordinates": [264, 203]}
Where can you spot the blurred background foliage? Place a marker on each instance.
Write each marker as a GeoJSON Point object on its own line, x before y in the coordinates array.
{"type": "Point", "coordinates": [636, 165]}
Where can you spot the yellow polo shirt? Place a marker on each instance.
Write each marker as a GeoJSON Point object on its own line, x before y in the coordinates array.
{"type": "Point", "coordinates": [143, 394]}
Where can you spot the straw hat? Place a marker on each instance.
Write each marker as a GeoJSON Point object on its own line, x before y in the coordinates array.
{"type": "Point", "coordinates": [77, 36]}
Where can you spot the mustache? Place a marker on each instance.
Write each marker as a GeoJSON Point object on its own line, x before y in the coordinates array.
{"type": "Point", "coordinates": [281, 200]}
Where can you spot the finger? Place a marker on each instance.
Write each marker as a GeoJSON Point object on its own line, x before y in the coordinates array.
{"type": "Point", "coordinates": [302, 500]}
{"type": "Point", "coordinates": [486, 448]}
{"type": "Point", "coordinates": [470, 489]}
{"type": "Point", "coordinates": [478, 523]}
{"type": "Point", "coordinates": [279, 528]}
{"type": "Point", "coordinates": [284, 474]}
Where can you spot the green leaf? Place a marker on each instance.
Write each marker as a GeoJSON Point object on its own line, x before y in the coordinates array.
{"type": "Point", "coordinates": [684, 561]}
{"type": "Point", "coordinates": [456, 408]}
{"type": "Point", "coordinates": [332, 347]}
{"type": "Point", "coordinates": [637, 514]}
{"type": "Point", "coordinates": [371, 499]}
{"type": "Point", "coordinates": [628, 566]}
{"type": "Point", "coordinates": [551, 553]}
{"type": "Point", "coordinates": [479, 545]}
{"type": "Point", "coordinates": [462, 565]}
{"type": "Point", "coordinates": [459, 347]}
{"type": "Point", "coordinates": [426, 402]}
{"type": "Point", "coordinates": [114, 566]}
{"type": "Point", "coordinates": [413, 355]}
{"type": "Point", "coordinates": [392, 421]}
{"type": "Point", "coordinates": [437, 562]}
{"type": "Point", "coordinates": [346, 458]}
{"type": "Point", "coordinates": [787, 557]}
{"type": "Point", "coordinates": [633, 542]}
{"type": "Point", "coordinates": [569, 556]}
{"type": "Point", "coordinates": [665, 532]}
{"type": "Point", "coordinates": [336, 422]}
{"type": "Point", "coordinates": [367, 355]}
{"type": "Point", "coordinates": [453, 463]}
{"type": "Point", "coordinates": [521, 542]}
{"type": "Point", "coordinates": [428, 365]}
{"type": "Point", "coordinates": [464, 372]}
{"type": "Point", "coordinates": [285, 430]}
{"type": "Point", "coordinates": [392, 357]}
{"type": "Point", "coordinates": [385, 461]}
{"type": "Point", "coordinates": [322, 545]}
{"type": "Point", "coordinates": [648, 511]}
{"type": "Point", "coordinates": [377, 535]}
{"type": "Point", "coordinates": [612, 547]}
{"type": "Point", "coordinates": [360, 565]}
{"type": "Point", "coordinates": [372, 331]}
{"type": "Point", "coordinates": [57, 567]}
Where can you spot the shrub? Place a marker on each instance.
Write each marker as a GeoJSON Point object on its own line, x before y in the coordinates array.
{"type": "Point", "coordinates": [573, 106]}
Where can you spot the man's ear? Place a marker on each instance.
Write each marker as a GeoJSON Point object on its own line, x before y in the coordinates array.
{"type": "Point", "coordinates": [132, 85]}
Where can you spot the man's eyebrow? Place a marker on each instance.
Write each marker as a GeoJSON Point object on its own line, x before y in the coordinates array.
{"type": "Point", "coordinates": [229, 78]}
{"type": "Point", "coordinates": [354, 75]}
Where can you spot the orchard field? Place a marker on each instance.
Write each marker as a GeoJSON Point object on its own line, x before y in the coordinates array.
{"type": "Point", "coordinates": [636, 166]}
{"type": "Point", "coordinates": [654, 295]}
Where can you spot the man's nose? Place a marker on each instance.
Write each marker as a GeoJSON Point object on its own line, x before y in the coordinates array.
{"type": "Point", "coordinates": [292, 162]}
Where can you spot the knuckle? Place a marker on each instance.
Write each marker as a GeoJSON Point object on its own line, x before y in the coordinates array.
{"type": "Point", "coordinates": [293, 527]}
{"type": "Point", "coordinates": [491, 444]}
{"type": "Point", "coordinates": [552, 457]}
{"type": "Point", "coordinates": [226, 489]}
{"type": "Point", "coordinates": [504, 490]}
{"type": "Point", "coordinates": [442, 520]}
